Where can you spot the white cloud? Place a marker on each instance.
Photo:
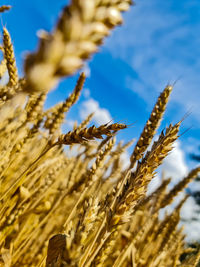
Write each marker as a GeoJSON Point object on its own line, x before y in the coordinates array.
{"type": "Point", "coordinates": [191, 227]}
{"type": "Point", "coordinates": [190, 207]}
{"type": "Point", "coordinates": [125, 158]}
{"type": "Point", "coordinates": [174, 164]}
{"type": "Point", "coordinates": [70, 123]}
{"type": "Point", "coordinates": [86, 93]}
{"type": "Point", "coordinates": [101, 115]}
{"type": "Point", "coordinates": [153, 185]}
{"type": "Point", "coordinates": [192, 230]}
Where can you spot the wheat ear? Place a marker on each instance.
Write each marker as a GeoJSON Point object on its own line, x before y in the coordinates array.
{"type": "Point", "coordinates": [151, 126]}
{"type": "Point", "coordinates": [57, 117]}
{"type": "Point", "coordinates": [78, 137]}
{"type": "Point", "coordinates": [10, 58]}
{"type": "Point", "coordinates": [89, 219]}
{"type": "Point", "coordinates": [79, 31]}
{"type": "Point", "coordinates": [135, 187]}
{"type": "Point", "coordinates": [179, 187]}
{"type": "Point", "coordinates": [36, 106]}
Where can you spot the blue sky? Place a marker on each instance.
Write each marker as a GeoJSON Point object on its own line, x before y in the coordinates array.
{"type": "Point", "coordinates": [158, 43]}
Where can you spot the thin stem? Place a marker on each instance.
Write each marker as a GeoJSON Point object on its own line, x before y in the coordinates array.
{"type": "Point", "coordinates": [20, 179]}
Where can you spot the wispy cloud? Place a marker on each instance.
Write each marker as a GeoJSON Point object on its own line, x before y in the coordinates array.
{"type": "Point", "coordinates": [174, 164]}
{"type": "Point", "coordinates": [190, 211]}
{"type": "Point", "coordinates": [101, 115]}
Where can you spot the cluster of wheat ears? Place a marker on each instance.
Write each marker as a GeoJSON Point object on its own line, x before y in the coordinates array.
{"type": "Point", "coordinates": [80, 209]}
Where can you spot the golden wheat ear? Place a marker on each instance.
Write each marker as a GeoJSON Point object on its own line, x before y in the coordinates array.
{"type": "Point", "coordinates": [10, 58]}
{"type": "Point", "coordinates": [86, 134]}
{"type": "Point", "coordinates": [151, 126]}
{"type": "Point", "coordinates": [179, 187]}
{"type": "Point", "coordinates": [35, 107]}
{"type": "Point", "coordinates": [80, 30]}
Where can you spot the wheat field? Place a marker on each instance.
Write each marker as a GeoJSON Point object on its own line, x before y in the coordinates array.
{"type": "Point", "coordinates": [59, 208]}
